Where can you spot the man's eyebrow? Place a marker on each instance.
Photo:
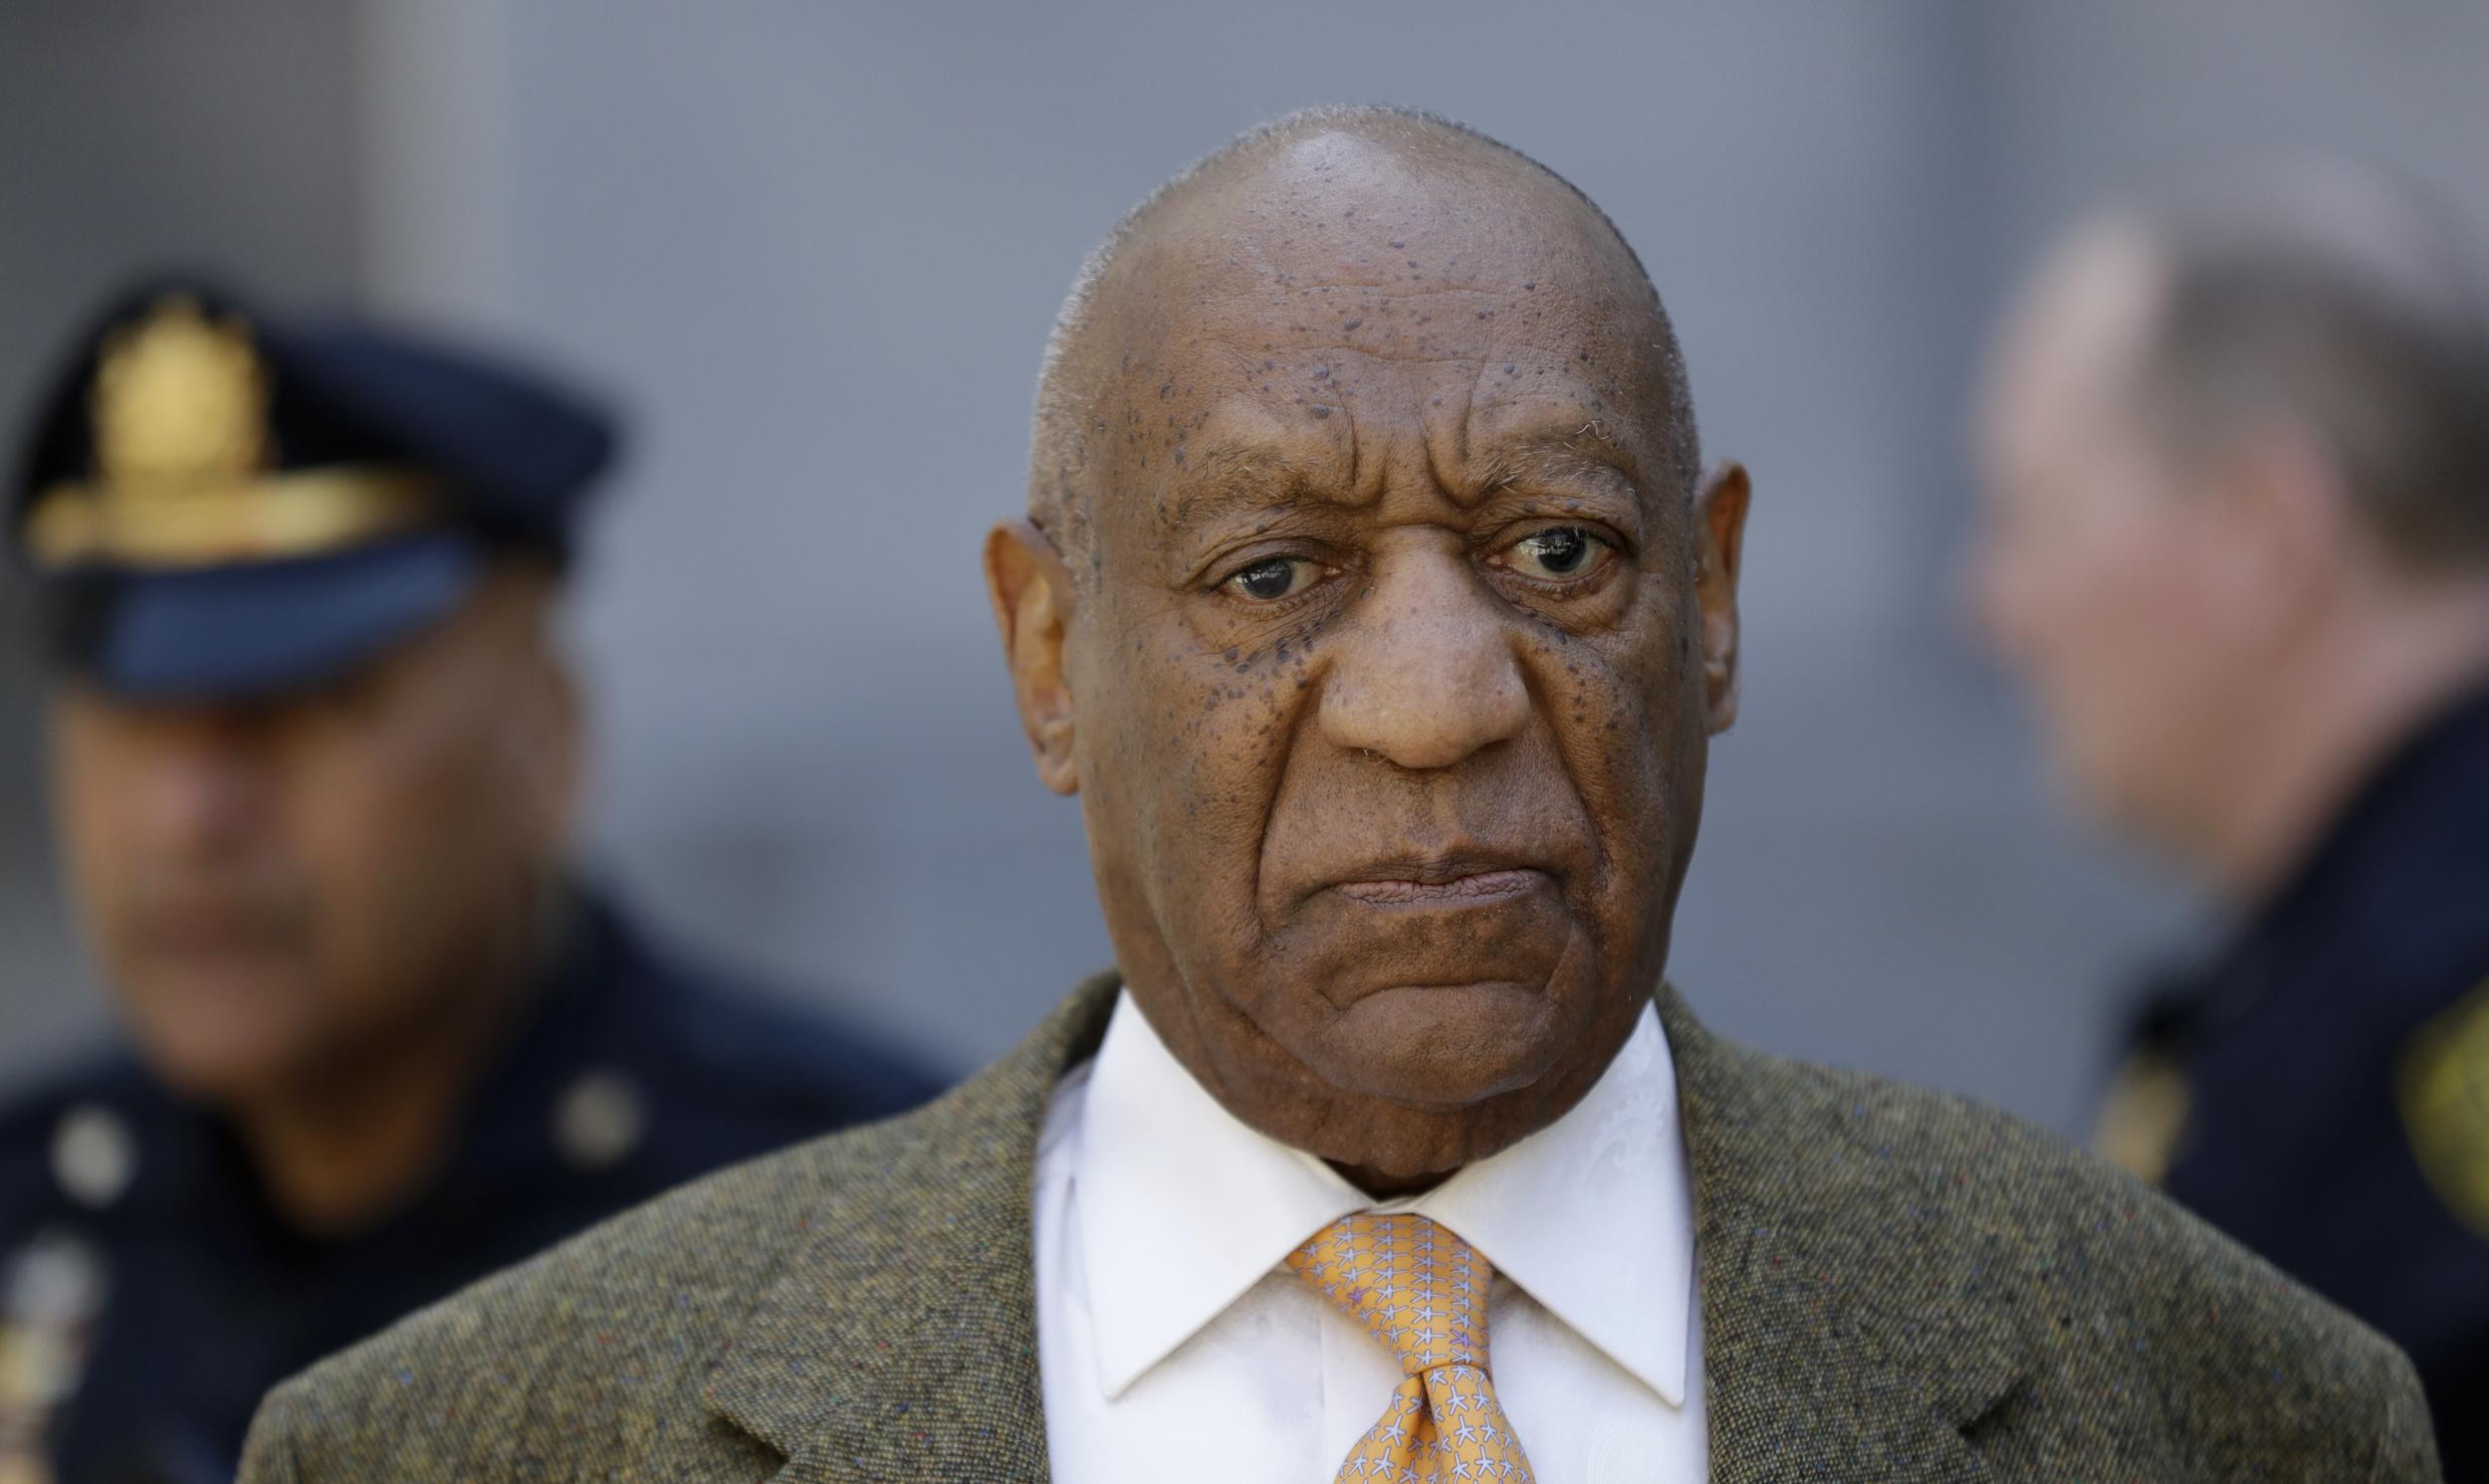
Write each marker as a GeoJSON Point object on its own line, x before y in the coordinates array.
{"type": "Point", "coordinates": [1225, 481]}
{"type": "Point", "coordinates": [1587, 446]}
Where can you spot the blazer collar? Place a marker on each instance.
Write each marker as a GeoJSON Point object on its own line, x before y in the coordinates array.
{"type": "Point", "coordinates": [1842, 1334]}
{"type": "Point", "coordinates": [899, 1340]}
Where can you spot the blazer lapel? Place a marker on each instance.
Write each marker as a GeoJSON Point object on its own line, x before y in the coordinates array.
{"type": "Point", "coordinates": [900, 1339]}
{"type": "Point", "coordinates": [1830, 1350]}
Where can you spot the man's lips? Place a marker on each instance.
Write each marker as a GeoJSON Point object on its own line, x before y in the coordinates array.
{"type": "Point", "coordinates": [206, 931]}
{"type": "Point", "coordinates": [1447, 884]}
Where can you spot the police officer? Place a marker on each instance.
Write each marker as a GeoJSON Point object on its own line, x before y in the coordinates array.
{"type": "Point", "coordinates": [2238, 545]}
{"type": "Point", "coordinates": [316, 757]}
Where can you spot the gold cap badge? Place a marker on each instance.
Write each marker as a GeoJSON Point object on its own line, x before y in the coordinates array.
{"type": "Point", "coordinates": [179, 398]}
{"type": "Point", "coordinates": [184, 462]}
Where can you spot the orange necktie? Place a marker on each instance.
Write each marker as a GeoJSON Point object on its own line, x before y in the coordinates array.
{"type": "Point", "coordinates": [1422, 1292]}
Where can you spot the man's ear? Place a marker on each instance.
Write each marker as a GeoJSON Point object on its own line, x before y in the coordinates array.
{"type": "Point", "coordinates": [1720, 534]}
{"type": "Point", "coordinates": [565, 743]}
{"type": "Point", "coordinates": [542, 699]}
{"type": "Point", "coordinates": [1032, 606]}
{"type": "Point", "coordinates": [2276, 520]}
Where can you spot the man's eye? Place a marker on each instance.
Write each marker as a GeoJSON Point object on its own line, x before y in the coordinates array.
{"type": "Point", "coordinates": [1557, 553]}
{"type": "Point", "coordinates": [1273, 577]}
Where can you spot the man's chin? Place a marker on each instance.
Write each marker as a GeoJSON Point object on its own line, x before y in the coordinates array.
{"type": "Point", "coordinates": [220, 1048]}
{"type": "Point", "coordinates": [1443, 1048]}
{"type": "Point", "coordinates": [222, 1071]}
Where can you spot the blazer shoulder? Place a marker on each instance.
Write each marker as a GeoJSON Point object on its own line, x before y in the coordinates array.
{"type": "Point", "coordinates": [601, 1342]}
{"type": "Point", "coordinates": [2084, 1279]}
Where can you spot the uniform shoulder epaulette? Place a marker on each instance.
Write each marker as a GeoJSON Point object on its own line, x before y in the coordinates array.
{"type": "Point", "coordinates": [2442, 1087]}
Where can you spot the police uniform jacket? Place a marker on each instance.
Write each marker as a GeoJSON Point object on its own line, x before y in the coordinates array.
{"type": "Point", "coordinates": [2337, 1067]}
{"type": "Point", "coordinates": [151, 1295]}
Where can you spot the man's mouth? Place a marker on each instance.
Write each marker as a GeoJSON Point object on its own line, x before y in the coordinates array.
{"type": "Point", "coordinates": [215, 931]}
{"type": "Point", "coordinates": [1447, 884]}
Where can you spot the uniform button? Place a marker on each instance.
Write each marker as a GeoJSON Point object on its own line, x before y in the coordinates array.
{"type": "Point", "coordinates": [94, 1154]}
{"type": "Point", "coordinates": [51, 1291]}
{"type": "Point", "coordinates": [599, 1118]}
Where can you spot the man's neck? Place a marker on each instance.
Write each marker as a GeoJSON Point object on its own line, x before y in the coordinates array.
{"type": "Point", "coordinates": [2349, 700]}
{"type": "Point", "coordinates": [1383, 1185]}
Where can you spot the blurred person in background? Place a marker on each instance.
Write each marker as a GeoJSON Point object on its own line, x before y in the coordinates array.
{"type": "Point", "coordinates": [2236, 539]}
{"type": "Point", "coordinates": [316, 755]}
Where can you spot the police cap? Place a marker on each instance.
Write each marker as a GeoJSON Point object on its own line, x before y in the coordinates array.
{"type": "Point", "coordinates": [220, 504]}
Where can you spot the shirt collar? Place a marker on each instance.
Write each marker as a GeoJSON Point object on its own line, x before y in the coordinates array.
{"type": "Point", "coordinates": [1183, 1208]}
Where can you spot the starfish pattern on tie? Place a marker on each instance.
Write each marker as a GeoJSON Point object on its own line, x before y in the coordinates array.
{"type": "Point", "coordinates": [1421, 1292]}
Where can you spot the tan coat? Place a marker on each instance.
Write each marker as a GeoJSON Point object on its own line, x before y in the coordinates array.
{"type": "Point", "coordinates": [1895, 1286]}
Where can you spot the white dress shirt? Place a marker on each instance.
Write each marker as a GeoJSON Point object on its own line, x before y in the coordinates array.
{"type": "Point", "coordinates": [1175, 1344]}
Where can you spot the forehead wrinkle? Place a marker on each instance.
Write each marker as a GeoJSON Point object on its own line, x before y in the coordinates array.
{"type": "Point", "coordinates": [1272, 208]}
{"type": "Point", "coordinates": [1244, 287]}
{"type": "Point", "coordinates": [1275, 338]}
{"type": "Point", "coordinates": [1248, 325]}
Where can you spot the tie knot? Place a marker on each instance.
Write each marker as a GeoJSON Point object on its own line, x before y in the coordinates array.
{"type": "Point", "coordinates": [1414, 1285]}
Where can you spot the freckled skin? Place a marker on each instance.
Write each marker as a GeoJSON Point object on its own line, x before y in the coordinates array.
{"type": "Point", "coordinates": [1373, 375]}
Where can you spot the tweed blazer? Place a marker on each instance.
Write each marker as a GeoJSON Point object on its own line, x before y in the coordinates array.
{"type": "Point", "coordinates": [1895, 1285]}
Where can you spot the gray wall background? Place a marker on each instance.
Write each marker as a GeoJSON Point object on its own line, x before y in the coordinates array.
{"type": "Point", "coordinates": [816, 247]}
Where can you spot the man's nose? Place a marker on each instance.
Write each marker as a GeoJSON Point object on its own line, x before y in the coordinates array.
{"type": "Point", "coordinates": [201, 787]}
{"type": "Point", "coordinates": [1426, 673]}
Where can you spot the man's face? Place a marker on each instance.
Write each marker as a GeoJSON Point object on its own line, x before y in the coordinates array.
{"type": "Point", "coordinates": [1385, 684]}
{"type": "Point", "coordinates": [2090, 570]}
{"type": "Point", "coordinates": [278, 891]}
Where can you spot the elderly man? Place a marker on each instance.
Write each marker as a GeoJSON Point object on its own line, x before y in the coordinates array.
{"type": "Point", "coordinates": [2239, 544]}
{"type": "Point", "coordinates": [315, 751]}
{"type": "Point", "coordinates": [1373, 603]}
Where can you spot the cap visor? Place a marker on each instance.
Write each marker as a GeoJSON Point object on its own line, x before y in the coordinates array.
{"type": "Point", "coordinates": [239, 632]}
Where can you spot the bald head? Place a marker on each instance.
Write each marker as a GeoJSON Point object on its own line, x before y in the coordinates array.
{"type": "Point", "coordinates": [1353, 208]}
